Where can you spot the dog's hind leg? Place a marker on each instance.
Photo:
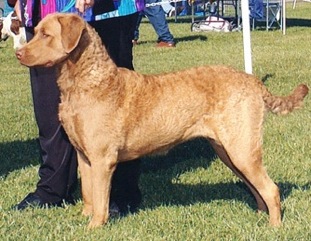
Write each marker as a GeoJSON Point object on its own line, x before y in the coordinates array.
{"type": "Point", "coordinates": [102, 168]}
{"type": "Point", "coordinates": [221, 152]}
{"type": "Point", "coordinates": [247, 164]}
{"type": "Point", "coordinates": [86, 184]}
{"type": "Point", "coordinates": [238, 142]}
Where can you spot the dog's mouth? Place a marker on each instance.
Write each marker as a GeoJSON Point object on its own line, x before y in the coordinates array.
{"type": "Point", "coordinates": [49, 64]}
{"type": "Point", "coordinates": [29, 64]}
{"type": "Point", "coordinates": [4, 38]}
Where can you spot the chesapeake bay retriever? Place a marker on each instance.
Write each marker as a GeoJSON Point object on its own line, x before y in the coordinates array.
{"type": "Point", "coordinates": [114, 114]}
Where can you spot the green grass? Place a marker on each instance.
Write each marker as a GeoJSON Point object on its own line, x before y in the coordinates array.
{"type": "Point", "coordinates": [188, 194]}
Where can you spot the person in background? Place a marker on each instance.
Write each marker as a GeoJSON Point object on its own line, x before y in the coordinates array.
{"type": "Point", "coordinates": [58, 169]}
{"type": "Point", "coordinates": [157, 18]}
{"type": "Point", "coordinates": [7, 9]}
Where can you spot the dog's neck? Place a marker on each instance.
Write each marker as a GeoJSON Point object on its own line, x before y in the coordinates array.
{"type": "Point", "coordinates": [99, 69]}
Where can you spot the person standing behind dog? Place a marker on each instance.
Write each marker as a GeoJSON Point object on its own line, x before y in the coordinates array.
{"type": "Point", "coordinates": [115, 22]}
{"type": "Point", "coordinates": [7, 9]}
{"type": "Point", "coordinates": [157, 18]}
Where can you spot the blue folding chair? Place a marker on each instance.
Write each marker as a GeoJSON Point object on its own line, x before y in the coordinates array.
{"type": "Point", "coordinates": [271, 13]}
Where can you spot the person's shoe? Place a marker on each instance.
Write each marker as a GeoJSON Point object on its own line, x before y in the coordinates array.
{"type": "Point", "coordinates": [32, 200]}
{"type": "Point", "coordinates": [129, 203]}
{"type": "Point", "coordinates": [163, 44]}
{"type": "Point", "coordinates": [114, 210]}
{"type": "Point", "coordinates": [69, 200]}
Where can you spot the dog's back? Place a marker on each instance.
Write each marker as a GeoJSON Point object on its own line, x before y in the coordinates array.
{"type": "Point", "coordinates": [189, 103]}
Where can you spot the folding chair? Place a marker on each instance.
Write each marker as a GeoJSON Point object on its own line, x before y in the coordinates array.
{"type": "Point", "coordinates": [272, 14]}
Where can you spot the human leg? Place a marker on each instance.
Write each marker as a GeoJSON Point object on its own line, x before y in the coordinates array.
{"type": "Point", "coordinates": [167, 8]}
{"type": "Point", "coordinates": [136, 31]}
{"type": "Point", "coordinates": [156, 16]}
{"type": "Point", "coordinates": [117, 34]}
{"type": "Point", "coordinates": [58, 169]}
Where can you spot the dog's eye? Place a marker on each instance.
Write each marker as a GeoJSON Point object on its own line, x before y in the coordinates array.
{"type": "Point", "coordinates": [44, 35]}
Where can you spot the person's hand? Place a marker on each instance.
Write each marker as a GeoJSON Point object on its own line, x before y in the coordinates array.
{"type": "Point", "coordinates": [82, 5]}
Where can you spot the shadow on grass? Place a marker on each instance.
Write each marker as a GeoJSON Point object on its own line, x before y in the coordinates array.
{"type": "Point", "coordinates": [181, 159]}
{"type": "Point", "coordinates": [181, 194]}
{"type": "Point", "coordinates": [192, 38]}
{"type": "Point", "coordinates": [185, 157]}
{"type": "Point", "coordinates": [183, 39]}
{"type": "Point", "coordinates": [17, 155]}
{"type": "Point", "coordinates": [267, 77]}
{"type": "Point", "coordinates": [290, 22]}
{"type": "Point", "coordinates": [297, 22]}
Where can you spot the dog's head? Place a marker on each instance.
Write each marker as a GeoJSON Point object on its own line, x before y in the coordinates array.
{"type": "Point", "coordinates": [1, 23]}
{"type": "Point", "coordinates": [1, 27]}
{"type": "Point", "coordinates": [12, 27]}
{"type": "Point", "coordinates": [56, 36]}
{"type": "Point", "coordinates": [16, 24]}
{"type": "Point", "coordinates": [7, 28]}
{"type": "Point", "coordinates": [4, 34]}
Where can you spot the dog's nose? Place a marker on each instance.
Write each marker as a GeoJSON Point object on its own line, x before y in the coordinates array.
{"type": "Point", "coordinates": [19, 54]}
{"type": "Point", "coordinates": [3, 37]}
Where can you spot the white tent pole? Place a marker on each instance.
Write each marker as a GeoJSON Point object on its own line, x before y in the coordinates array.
{"type": "Point", "coordinates": [284, 17]}
{"type": "Point", "coordinates": [246, 37]}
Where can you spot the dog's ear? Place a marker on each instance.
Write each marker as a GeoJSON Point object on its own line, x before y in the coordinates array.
{"type": "Point", "coordinates": [15, 25]}
{"type": "Point", "coordinates": [72, 27]}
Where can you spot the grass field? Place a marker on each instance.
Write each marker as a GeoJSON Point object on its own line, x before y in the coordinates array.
{"type": "Point", "coordinates": [188, 194]}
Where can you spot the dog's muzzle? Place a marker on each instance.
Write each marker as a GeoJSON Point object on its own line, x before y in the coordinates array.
{"type": "Point", "coordinates": [5, 37]}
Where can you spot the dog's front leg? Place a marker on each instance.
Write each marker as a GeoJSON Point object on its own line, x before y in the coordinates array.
{"type": "Point", "coordinates": [86, 184]}
{"type": "Point", "coordinates": [102, 171]}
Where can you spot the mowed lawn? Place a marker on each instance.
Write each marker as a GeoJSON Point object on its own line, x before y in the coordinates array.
{"type": "Point", "coordinates": [188, 194]}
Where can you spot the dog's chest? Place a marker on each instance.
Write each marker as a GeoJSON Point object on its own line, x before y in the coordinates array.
{"type": "Point", "coordinates": [70, 120]}
{"type": "Point", "coordinates": [83, 118]}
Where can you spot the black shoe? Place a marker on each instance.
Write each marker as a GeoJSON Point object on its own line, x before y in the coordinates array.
{"type": "Point", "coordinates": [69, 200]}
{"type": "Point", "coordinates": [129, 203]}
{"type": "Point", "coordinates": [114, 210]}
{"type": "Point", "coordinates": [32, 200]}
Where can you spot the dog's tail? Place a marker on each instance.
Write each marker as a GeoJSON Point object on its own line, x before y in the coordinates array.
{"type": "Point", "coordinates": [284, 105]}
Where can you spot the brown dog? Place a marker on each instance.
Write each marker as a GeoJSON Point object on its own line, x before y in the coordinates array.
{"type": "Point", "coordinates": [113, 114]}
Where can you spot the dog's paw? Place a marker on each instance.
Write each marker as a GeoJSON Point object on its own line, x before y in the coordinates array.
{"type": "Point", "coordinates": [87, 210]}
{"type": "Point", "coordinates": [275, 222]}
{"type": "Point", "coordinates": [95, 224]}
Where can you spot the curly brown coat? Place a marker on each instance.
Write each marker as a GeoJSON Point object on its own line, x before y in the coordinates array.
{"type": "Point", "coordinates": [114, 114]}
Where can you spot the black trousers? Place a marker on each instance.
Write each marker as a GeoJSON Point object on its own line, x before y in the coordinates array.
{"type": "Point", "coordinates": [58, 169]}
